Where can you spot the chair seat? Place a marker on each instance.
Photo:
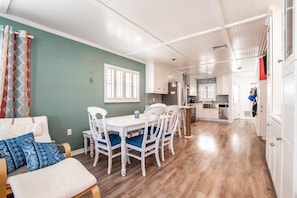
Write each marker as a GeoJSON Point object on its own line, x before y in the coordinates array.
{"type": "Point", "coordinates": [53, 181]}
{"type": "Point", "coordinates": [137, 141]}
{"type": "Point", "coordinates": [114, 140]}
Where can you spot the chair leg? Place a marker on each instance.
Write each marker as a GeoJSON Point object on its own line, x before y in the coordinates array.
{"type": "Point", "coordinates": [109, 162]}
{"type": "Point", "coordinates": [162, 151]}
{"type": "Point", "coordinates": [96, 157]}
{"type": "Point", "coordinates": [157, 156]}
{"type": "Point", "coordinates": [96, 192]}
{"type": "Point", "coordinates": [143, 164]}
{"type": "Point", "coordinates": [178, 126]}
{"type": "Point", "coordinates": [171, 146]}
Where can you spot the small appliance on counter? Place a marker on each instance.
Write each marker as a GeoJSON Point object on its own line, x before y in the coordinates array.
{"type": "Point", "coordinates": [192, 100]}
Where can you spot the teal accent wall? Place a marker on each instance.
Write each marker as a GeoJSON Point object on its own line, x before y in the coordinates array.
{"type": "Point", "coordinates": [60, 86]}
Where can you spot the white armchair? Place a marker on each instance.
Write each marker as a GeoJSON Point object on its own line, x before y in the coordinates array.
{"type": "Point", "coordinates": [65, 178]}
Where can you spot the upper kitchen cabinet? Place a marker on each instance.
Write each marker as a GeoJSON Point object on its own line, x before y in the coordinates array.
{"type": "Point", "coordinates": [157, 77]}
{"type": "Point", "coordinates": [223, 84]}
{"type": "Point", "coordinates": [193, 86]}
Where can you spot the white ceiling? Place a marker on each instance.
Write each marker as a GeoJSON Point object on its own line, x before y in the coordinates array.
{"type": "Point", "coordinates": [158, 30]}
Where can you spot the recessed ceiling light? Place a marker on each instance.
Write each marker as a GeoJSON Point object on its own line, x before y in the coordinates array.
{"type": "Point", "coordinates": [219, 47]}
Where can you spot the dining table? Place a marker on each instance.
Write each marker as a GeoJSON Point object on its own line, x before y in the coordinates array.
{"type": "Point", "coordinates": [122, 125]}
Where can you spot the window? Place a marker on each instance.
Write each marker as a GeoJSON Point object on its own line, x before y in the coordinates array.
{"type": "Point", "coordinates": [121, 85]}
{"type": "Point", "coordinates": [207, 92]}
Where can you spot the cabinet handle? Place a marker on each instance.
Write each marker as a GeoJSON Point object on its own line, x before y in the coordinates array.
{"type": "Point", "coordinates": [278, 138]}
{"type": "Point", "coordinates": [279, 60]}
{"type": "Point", "coordinates": [267, 124]}
{"type": "Point", "coordinates": [271, 144]}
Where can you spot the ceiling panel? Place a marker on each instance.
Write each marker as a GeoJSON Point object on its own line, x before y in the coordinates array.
{"type": "Point", "coordinates": [249, 39]}
{"type": "Point", "coordinates": [234, 11]}
{"type": "Point", "coordinates": [86, 20]}
{"type": "Point", "coordinates": [167, 19]}
{"type": "Point", "coordinates": [248, 65]}
{"type": "Point", "coordinates": [154, 30]}
{"type": "Point", "coordinates": [164, 55]}
{"type": "Point", "coordinates": [200, 48]}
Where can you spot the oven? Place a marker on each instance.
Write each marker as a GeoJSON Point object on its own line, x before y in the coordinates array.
{"type": "Point", "coordinates": [223, 111]}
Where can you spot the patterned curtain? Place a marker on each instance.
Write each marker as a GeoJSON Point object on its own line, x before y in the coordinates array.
{"type": "Point", "coordinates": [14, 73]}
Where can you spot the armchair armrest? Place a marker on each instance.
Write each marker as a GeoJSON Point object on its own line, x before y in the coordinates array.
{"type": "Point", "coordinates": [67, 149]}
{"type": "Point", "coordinates": [3, 178]}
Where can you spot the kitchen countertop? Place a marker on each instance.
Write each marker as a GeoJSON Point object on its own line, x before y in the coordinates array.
{"type": "Point", "coordinates": [186, 106]}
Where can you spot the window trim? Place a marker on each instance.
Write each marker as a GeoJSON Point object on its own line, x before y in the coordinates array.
{"type": "Point", "coordinates": [132, 88]}
{"type": "Point", "coordinates": [202, 86]}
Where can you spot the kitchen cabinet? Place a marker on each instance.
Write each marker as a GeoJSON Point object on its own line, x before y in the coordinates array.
{"type": "Point", "coordinates": [193, 86]}
{"type": "Point", "coordinates": [157, 77]}
{"type": "Point", "coordinates": [289, 112]}
{"type": "Point", "coordinates": [211, 113]}
{"type": "Point", "coordinates": [199, 110]}
{"type": "Point", "coordinates": [273, 153]}
{"type": "Point", "coordinates": [206, 113]}
{"type": "Point", "coordinates": [223, 84]}
{"type": "Point", "coordinates": [281, 144]}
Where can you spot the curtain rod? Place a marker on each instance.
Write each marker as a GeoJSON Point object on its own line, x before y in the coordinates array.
{"type": "Point", "coordinates": [28, 35]}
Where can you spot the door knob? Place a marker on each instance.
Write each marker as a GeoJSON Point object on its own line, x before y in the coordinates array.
{"type": "Point", "coordinates": [271, 144]}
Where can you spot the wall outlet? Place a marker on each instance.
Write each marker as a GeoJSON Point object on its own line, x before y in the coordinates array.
{"type": "Point", "coordinates": [69, 131]}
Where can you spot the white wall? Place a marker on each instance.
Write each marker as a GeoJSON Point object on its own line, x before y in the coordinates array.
{"type": "Point", "coordinates": [246, 81]}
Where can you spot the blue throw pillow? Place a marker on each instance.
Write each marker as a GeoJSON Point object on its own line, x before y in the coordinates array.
{"type": "Point", "coordinates": [11, 150]}
{"type": "Point", "coordinates": [41, 154]}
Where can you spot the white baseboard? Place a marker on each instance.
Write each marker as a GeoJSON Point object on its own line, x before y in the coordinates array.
{"type": "Point", "coordinates": [77, 152]}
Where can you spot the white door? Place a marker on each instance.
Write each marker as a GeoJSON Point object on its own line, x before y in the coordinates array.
{"type": "Point", "coordinates": [288, 119]}
{"type": "Point", "coordinates": [263, 108]}
{"type": "Point", "coordinates": [235, 100]}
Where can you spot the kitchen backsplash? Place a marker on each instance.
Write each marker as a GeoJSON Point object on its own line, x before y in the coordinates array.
{"type": "Point", "coordinates": [222, 98]}
{"type": "Point", "coordinates": [153, 98]}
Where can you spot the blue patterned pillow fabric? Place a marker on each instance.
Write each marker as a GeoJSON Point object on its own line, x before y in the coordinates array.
{"type": "Point", "coordinates": [41, 154]}
{"type": "Point", "coordinates": [11, 150]}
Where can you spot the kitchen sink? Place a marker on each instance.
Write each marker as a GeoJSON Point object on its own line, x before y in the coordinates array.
{"type": "Point", "coordinates": [210, 106]}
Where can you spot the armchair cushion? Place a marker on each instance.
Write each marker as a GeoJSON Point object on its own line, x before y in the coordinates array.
{"type": "Point", "coordinates": [41, 154]}
{"type": "Point", "coordinates": [11, 150]}
{"type": "Point", "coordinates": [64, 179]}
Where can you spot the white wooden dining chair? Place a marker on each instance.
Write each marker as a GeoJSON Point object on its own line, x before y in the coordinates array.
{"type": "Point", "coordinates": [158, 105]}
{"type": "Point", "coordinates": [170, 127]}
{"type": "Point", "coordinates": [147, 143]}
{"type": "Point", "coordinates": [105, 142]}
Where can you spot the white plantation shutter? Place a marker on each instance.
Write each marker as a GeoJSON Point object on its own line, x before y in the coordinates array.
{"type": "Point", "coordinates": [121, 85]}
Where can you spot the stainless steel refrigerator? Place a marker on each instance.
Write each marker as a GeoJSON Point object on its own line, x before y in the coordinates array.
{"type": "Point", "coordinates": [175, 96]}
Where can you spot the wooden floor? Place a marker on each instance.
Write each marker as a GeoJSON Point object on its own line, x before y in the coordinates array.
{"type": "Point", "coordinates": [221, 160]}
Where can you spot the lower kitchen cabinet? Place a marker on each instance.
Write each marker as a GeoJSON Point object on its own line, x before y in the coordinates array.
{"type": "Point", "coordinates": [210, 113]}
{"type": "Point", "coordinates": [273, 153]}
{"type": "Point", "coordinates": [206, 113]}
{"type": "Point", "coordinates": [199, 110]}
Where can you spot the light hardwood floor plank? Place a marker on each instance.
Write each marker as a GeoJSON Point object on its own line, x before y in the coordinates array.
{"type": "Point", "coordinates": [221, 161]}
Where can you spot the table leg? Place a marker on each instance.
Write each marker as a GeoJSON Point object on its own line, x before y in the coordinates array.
{"type": "Point", "coordinates": [123, 154]}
